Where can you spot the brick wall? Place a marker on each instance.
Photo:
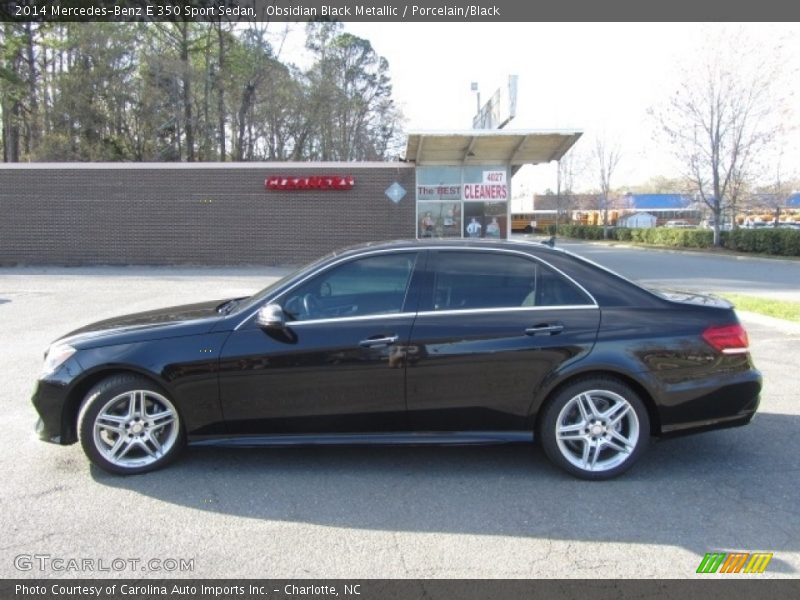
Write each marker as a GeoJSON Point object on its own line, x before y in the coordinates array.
{"type": "Point", "coordinates": [193, 214]}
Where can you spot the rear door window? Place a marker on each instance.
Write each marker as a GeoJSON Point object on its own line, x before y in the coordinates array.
{"type": "Point", "coordinates": [496, 280]}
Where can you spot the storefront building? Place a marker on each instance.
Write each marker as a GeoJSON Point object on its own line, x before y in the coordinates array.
{"type": "Point", "coordinates": [198, 213]}
{"type": "Point", "coordinates": [449, 185]}
{"type": "Point", "coordinates": [463, 179]}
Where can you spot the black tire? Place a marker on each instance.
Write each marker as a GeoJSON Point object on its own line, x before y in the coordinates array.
{"type": "Point", "coordinates": [598, 438]}
{"type": "Point", "coordinates": [127, 425]}
{"type": "Point", "coordinates": [528, 229]}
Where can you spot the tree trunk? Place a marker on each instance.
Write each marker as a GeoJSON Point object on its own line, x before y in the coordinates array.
{"type": "Point", "coordinates": [6, 131]}
{"type": "Point", "coordinates": [12, 133]}
{"type": "Point", "coordinates": [188, 127]}
{"type": "Point", "coordinates": [221, 92]}
{"type": "Point", "coordinates": [717, 224]}
{"type": "Point", "coordinates": [244, 108]}
{"type": "Point", "coordinates": [10, 107]}
{"type": "Point", "coordinates": [207, 139]}
{"type": "Point", "coordinates": [717, 192]}
{"type": "Point", "coordinates": [605, 215]}
{"type": "Point", "coordinates": [33, 136]}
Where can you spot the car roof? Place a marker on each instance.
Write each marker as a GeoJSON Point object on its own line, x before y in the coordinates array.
{"type": "Point", "coordinates": [434, 243]}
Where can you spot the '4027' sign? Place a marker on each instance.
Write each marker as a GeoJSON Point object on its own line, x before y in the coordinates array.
{"type": "Point", "coordinates": [312, 182]}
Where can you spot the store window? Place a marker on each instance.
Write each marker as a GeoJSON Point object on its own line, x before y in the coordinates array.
{"type": "Point", "coordinates": [462, 202]}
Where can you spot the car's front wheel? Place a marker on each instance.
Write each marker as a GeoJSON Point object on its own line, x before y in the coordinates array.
{"type": "Point", "coordinates": [595, 428]}
{"type": "Point", "coordinates": [129, 425]}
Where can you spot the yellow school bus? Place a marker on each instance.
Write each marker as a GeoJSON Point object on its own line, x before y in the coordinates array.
{"type": "Point", "coordinates": [523, 222]}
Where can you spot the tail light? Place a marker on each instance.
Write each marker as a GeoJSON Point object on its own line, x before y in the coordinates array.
{"type": "Point", "coordinates": [728, 339]}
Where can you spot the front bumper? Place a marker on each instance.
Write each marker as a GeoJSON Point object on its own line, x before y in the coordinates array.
{"type": "Point", "coordinates": [50, 400]}
{"type": "Point", "coordinates": [45, 434]}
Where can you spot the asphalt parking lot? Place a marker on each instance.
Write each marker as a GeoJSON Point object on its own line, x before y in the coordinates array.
{"type": "Point", "coordinates": [386, 512]}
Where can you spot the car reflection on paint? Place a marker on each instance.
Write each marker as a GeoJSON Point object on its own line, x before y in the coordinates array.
{"type": "Point", "coordinates": [408, 342]}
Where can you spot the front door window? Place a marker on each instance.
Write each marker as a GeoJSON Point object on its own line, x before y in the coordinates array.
{"type": "Point", "coordinates": [374, 285]}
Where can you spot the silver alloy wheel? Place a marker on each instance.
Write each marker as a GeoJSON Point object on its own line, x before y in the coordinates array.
{"type": "Point", "coordinates": [597, 430]}
{"type": "Point", "coordinates": [136, 429]}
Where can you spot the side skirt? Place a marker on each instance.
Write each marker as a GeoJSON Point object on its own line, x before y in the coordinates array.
{"type": "Point", "coordinates": [369, 439]}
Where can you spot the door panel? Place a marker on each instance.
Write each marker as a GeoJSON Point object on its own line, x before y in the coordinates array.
{"type": "Point", "coordinates": [319, 377]}
{"type": "Point", "coordinates": [338, 366]}
{"type": "Point", "coordinates": [478, 371]}
{"type": "Point", "coordinates": [492, 327]}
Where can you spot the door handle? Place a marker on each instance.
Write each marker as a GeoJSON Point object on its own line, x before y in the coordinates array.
{"type": "Point", "coordinates": [545, 329]}
{"type": "Point", "coordinates": [378, 341]}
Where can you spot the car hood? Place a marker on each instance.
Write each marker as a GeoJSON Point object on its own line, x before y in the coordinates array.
{"type": "Point", "coordinates": [188, 319]}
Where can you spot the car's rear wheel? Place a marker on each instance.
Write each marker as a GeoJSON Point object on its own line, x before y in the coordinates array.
{"type": "Point", "coordinates": [595, 428]}
{"type": "Point", "coordinates": [128, 425]}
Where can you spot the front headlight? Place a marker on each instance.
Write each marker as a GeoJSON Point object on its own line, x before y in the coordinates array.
{"type": "Point", "coordinates": [56, 356]}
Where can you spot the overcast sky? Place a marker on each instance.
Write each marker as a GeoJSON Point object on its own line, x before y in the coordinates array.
{"type": "Point", "coordinates": [595, 77]}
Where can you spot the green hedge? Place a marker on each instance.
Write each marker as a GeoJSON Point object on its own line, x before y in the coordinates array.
{"type": "Point", "coordinates": [780, 242]}
{"type": "Point", "coordinates": [783, 242]}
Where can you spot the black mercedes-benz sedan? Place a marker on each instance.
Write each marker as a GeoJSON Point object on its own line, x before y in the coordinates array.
{"type": "Point", "coordinates": [408, 342]}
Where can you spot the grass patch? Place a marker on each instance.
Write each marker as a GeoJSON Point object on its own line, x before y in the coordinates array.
{"type": "Point", "coordinates": [780, 309]}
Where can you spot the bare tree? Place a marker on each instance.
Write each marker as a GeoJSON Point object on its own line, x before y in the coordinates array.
{"type": "Point", "coordinates": [780, 190]}
{"type": "Point", "coordinates": [724, 115]}
{"type": "Point", "coordinates": [606, 155]}
{"type": "Point", "coordinates": [568, 169]}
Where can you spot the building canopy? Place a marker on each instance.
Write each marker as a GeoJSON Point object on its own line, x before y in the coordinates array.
{"type": "Point", "coordinates": [473, 147]}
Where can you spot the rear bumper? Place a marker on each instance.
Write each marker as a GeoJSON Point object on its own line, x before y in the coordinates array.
{"type": "Point", "coordinates": [715, 403]}
{"type": "Point", "coordinates": [738, 420]}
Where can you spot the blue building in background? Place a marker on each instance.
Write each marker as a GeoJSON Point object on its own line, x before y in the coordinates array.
{"type": "Point", "coordinates": [665, 207]}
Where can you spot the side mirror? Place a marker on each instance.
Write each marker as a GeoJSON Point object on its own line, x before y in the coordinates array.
{"type": "Point", "coordinates": [271, 316]}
